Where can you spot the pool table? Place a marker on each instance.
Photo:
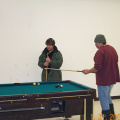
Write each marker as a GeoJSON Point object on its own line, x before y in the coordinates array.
{"type": "Point", "coordinates": [25, 101]}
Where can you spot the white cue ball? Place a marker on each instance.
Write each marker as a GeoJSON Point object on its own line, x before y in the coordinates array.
{"type": "Point", "coordinates": [61, 86]}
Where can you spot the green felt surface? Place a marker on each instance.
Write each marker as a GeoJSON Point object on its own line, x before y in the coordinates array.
{"type": "Point", "coordinates": [44, 87]}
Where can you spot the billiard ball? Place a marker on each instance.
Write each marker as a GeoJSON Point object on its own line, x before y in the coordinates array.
{"type": "Point", "coordinates": [38, 83]}
{"type": "Point", "coordinates": [61, 86]}
{"type": "Point", "coordinates": [34, 83]}
{"type": "Point", "coordinates": [56, 86]}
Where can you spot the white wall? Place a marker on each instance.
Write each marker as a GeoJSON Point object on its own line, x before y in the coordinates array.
{"type": "Point", "coordinates": [26, 24]}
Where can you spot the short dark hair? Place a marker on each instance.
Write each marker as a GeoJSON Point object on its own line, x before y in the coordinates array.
{"type": "Point", "coordinates": [50, 41]}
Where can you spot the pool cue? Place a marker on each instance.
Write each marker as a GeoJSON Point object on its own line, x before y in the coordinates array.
{"type": "Point", "coordinates": [46, 70]}
{"type": "Point", "coordinates": [46, 74]}
{"type": "Point", "coordinates": [63, 70]}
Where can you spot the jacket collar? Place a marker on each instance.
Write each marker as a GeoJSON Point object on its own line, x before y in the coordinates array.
{"type": "Point", "coordinates": [54, 51]}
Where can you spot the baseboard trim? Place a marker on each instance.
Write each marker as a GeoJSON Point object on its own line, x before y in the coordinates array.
{"type": "Point", "coordinates": [113, 97]}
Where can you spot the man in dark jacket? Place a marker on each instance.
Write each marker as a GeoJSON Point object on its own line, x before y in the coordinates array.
{"type": "Point", "coordinates": [107, 74]}
{"type": "Point", "coordinates": [51, 57]}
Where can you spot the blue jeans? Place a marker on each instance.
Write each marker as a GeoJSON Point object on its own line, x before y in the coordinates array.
{"type": "Point", "coordinates": [104, 96]}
